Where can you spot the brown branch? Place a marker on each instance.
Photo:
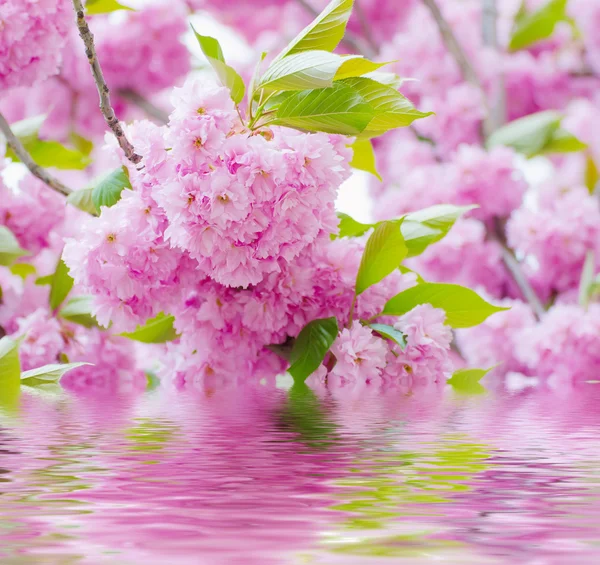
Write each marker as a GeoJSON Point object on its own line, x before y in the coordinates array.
{"type": "Point", "coordinates": [365, 26]}
{"type": "Point", "coordinates": [349, 39]}
{"type": "Point", "coordinates": [452, 44]}
{"type": "Point", "coordinates": [497, 105]}
{"type": "Point", "coordinates": [514, 269]}
{"type": "Point", "coordinates": [15, 144]}
{"type": "Point", "coordinates": [103, 91]}
{"type": "Point", "coordinates": [144, 104]}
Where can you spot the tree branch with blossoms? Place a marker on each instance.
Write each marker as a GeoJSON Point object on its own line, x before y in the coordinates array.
{"type": "Point", "coordinates": [452, 44]}
{"type": "Point", "coordinates": [103, 90]}
{"type": "Point", "coordinates": [496, 114]}
{"type": "Point", "coordinates": [15, 144]}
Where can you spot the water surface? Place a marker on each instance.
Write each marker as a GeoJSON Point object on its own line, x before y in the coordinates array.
{"type": "Point", "coordinates": [255, 474]}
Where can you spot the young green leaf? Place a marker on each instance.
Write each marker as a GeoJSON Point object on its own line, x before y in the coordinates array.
{"type": "Point", "coordinates": [390, 332]}
{"type": "Point", "coordinates": [356, 66]}
{"type": "Point", "coordinates": [107, 191]}
{"type": "Point", "coordinates": [61, 285]}
{"type": "Point", "coordinates": [82, 199]}
{"type": "Point", "coordinates": [339, 109]}
{"type": "Point", "coordinates": [587, 279]}
{"type": "Point", "coordinates": [48, 373]}
{"type": "Point", "coordinates": [467, 380]}
{"type": "Point", "coordinates": [45, 153]}
{"type": "Point", "coordinates": [349, 227]}
{"type": "Point", "coordinates": [104, 6]}
{"type": "Point", "coordinates": [592, 176]}
{"type": "Point", "coordinates": [563, 141]}
{"type": "Point", "coordinates": [79, 311]}
{"type": "Point", "coordinates": [10, 250]}
{"type": "Point", "coordinates": [363, 157]}
{"type": "Point", "coordinates": [528, 135]}
{"type": "Point", "coordinates": [538, 25]}
{"type": "Point", "coordinates": [311, 346]}
{"type": "Point", "coordinates": [384, 251]}
{"type": "Point", "coordinates": [406, 271]}
{"type": "Point", "coordinates": [10, 366]}
{"type": "Point", "coordinates": [228, 76]}
{"type": "Point", "coordinates": [156, 330]}
{"type": "Point", "coordinates": [424, 227]}
{"type": "Point", "coordinates": [324, 33]}
{"type": "Point", "coordinates": [308, 69]}
{"type": "Point", "coordinates": [464, 307]}
{"type": "Point", "coordinates": [391, 109]}
{"type": "Point", "coordinates": [23, 270]}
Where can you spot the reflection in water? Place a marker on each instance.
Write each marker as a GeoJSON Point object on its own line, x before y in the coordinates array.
{"type": "Point", "coordinates": [252, 474]}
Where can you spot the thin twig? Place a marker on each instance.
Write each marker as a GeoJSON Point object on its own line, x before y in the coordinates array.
{"type": "Point", "coordinates": [365, 26]}
{"type": "Point", "coordinates": [452, 44]}
{"type": "Point", "coordinates": [497, 104]}
{"type": "Point", "coordinates": [349, 39]}
{"type": "Point", "coordinates": [15, 144]}
{"type": "Point", "coordinates": [514, 268]}
{"type": "Point", "coordinates": [103, 91]}
{"type": "Point", "coordinates": [144, 104]}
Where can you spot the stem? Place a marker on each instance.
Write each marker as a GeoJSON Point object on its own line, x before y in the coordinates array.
{"type": "Point", "coordinates": [497, 110]}
{"type": "Point", "coordinates": [452, 44]}
{"type": "Point", "coordinates": [514, 268]}
{"type": "Point", "coordinates": [365, 27]}
{"type": "Point", "coordinates": [349, 38]}
{"type": "Point", "coordinates": [15, 144]}
{"type": "Point", "coordinates": [144, 104]}
{"type": "Point", "coordinates": [103, 91]}
{"type": "Point", "coordinates": [351, 313]}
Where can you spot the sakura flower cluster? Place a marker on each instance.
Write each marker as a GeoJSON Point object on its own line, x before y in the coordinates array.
{"type": "Point", "coordinates": [32, 34]}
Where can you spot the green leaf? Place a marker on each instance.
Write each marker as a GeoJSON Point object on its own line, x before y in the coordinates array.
{"type": "Point", "coordinates": [48, 373]}
{"type": "Point", "coordinates": [156, 330]}
{"type": "Point", "coordinates": [391, 109]}
{"type": "Point", "coordinates": [592, 176]}
{"type": "Point", "coordinates": [311, 346]}
{"type": "Point", "coordinates": [424, 227]}
{"type": "Point", "coordinates": [325, 32]}
{"type": "Point", "coordinates": [79, 311]}
{"type": "Point", "coordinates": [464, 307]}
{"type": "Point", "coordinates": [22, 270]}
{"type": "Point", "coordinates": [363, 157]}
{"type": "Point", "coordinates": [356, 66]}
{"type": "Point", "coordinates": [528, 135]}
{"type": "Point", "coordinates": [349, 227]}
{"type": "Point", "coordinates": [406, 271]}
{"type": "Point", "coordinates": [10, 250]}
{"type": "Point", "coordinates": [104, 6]}
{"type": "Point", "coordinates": [227, 75]}
{"type": "Point", "coordinates": [107, 192]}
{"type": "Point", "coordinates": [563, 141]}
{"type": "Point", "coordinates": [389, 79]}
{"type": "Point", "coordinates": [384, 251]}
{"type": "Point", "coordinates": [339, 109]}
{"type": "Point", "coordinates": [82, 199]}
{"type": "Point", "coordinates": [61, 285]}
{"type": "Point", "coordinates": [531, 28]}
{"type": "Point", "coordinates": [45, 280]}
{"type": "Point", "coordinates": [82, 144]}
{"type": "Point", "coordinates": [390, 332]}
{"type": "Point", "coordinates": [10, 366]}
{"type": "Point", "coordinates": [302, 71]}
{"type": "Point", "coordinates": [467, 380]}
{"type": "Point", "coordinates": [587, 279]}
{"type": "Point", "coordinates": [45, 153]}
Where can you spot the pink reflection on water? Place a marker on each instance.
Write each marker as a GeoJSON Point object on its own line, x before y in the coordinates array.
{"type": "Point", "coordinates": [251, 474]}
